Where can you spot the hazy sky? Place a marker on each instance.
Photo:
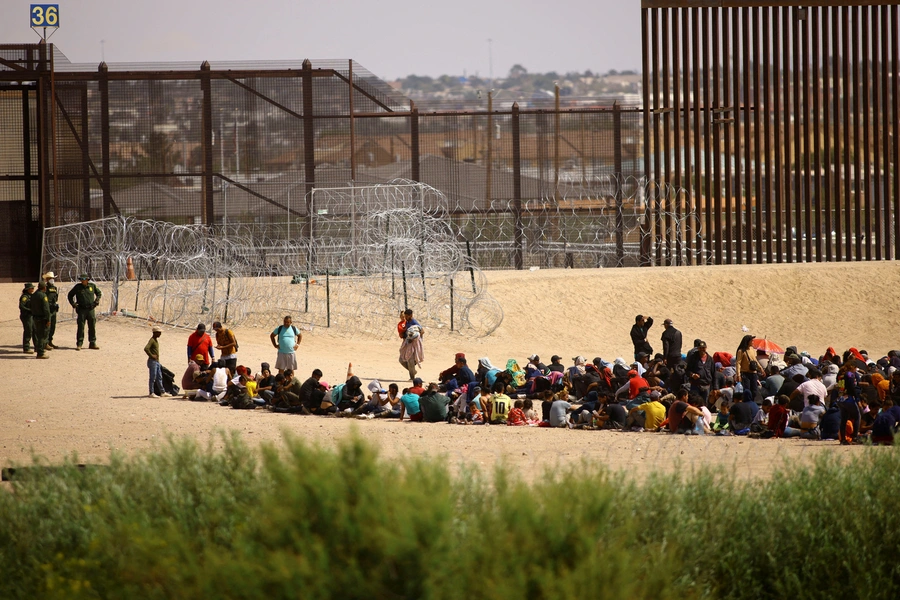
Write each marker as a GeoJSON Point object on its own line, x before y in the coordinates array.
{"type": "Point", "coordinates": [391, 39]}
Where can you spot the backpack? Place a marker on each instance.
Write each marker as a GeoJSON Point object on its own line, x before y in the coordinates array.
{"type": "Point", "coordinates": [279, 330]}
{"type": "Point", "coordinates": [240, 398]}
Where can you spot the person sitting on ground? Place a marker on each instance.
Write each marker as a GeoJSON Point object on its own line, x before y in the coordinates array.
{"type": "Point", "coordinates": [189, 384]}
{"type": "Point", "coordinates": [575, 371]}
{"type": "Point", "coordinates": [265, 385]}
{"type": "Point", "coordinates": [559, 413]}
{"type": "Point", "coordinates": [532, 416]}
{"type": "Point", "coordinates": [516, 416]}
{"type": "Point", "coordinates": [238, 396]}
{"type": "Point", "coordinates": [778, 417]}
{"type": "Point", "coordinates": [536, 361]}
{"type": "Point", "coordinates": [679, 409]}
{"type": "Point", "coordinates": [612, 415]}
{"type": "Point", "coordinates": [771, 385]}
{"type": "Point", "coordinates": [830, 423]}
{"type": "Point", "coordinates": [390, 403]}
{"type": "Point", "coordinates": [498, 405]}
{"type": "Point", "coordinates": [215, 390]}
{"type": "Point", "coordinates": [703, 421]}
{"type": "Point", "coordinates": [487, 373]}
{"type": "Point", "coordinates": [433, 405]}
{"type": "Point", "coordinates": [310, 394]}
{"type": "Point", "coordinates": [417, 388]}
{"type": "Point", "coordinates": [886, 424]}
{"type": "Point", "coordinates": [556, 365]}
{"type": "Point", "coordinates": [811, 387]}
{"type": "Point", "coordinates": [352, 397]}
{"type": "Point", "coordinates": [741, 415]}
{"type": "Point", "coordinates": [809, 420]}
{"type": "Point", "coordinates": [760, 422]}
{"type": "Point", "coordinates": [794, 366]}
{"type": "Point", "coordinates": [287, 393]}
{"type": "Point", "coordinates": [584, 414]}
{"type": "Point", "coordinates": [635, 384]}
{"type": "Point", "coordinates": [448, 374]}
{"type": "Point", "coordinates": [409, 404]}
{"type": "Point", "coordinates": [647, 416]}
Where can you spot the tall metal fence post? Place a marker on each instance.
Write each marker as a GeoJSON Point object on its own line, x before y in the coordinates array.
{"type": "Point", "coordinates": [451, 302]}
{"type": "Point", "coordinates": [104, 138]}
{"type": "Point", "coordinates": [517, 190]}
{"type": "Point", "coordinates": [414, 141]}
{"type": "Point", "coordinates": [617, 159]}
{"type": "Point", "coordinates": [309, 152]}
{"type": "Point", "coordinates": [208, 210]}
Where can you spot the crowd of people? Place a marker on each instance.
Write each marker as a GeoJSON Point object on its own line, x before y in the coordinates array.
{"type": "Point", "coordinates": [844, 396]}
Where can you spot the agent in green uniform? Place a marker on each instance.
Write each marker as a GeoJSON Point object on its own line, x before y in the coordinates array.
{"type": "Point", "coordinates": [53, 299]}
{"type": "Point", "coordinates": [40, 312]}
{"type": "Point", "coordinates": [28, 337]}
{"type": "Point", "coordinates": [84, 298]}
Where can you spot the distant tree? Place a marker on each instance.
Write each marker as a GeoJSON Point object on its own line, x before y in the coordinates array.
{"type": "Point", "coordinates": [612, 73]}
{"type": "Point", "coordinates": [588, 73]}
{"type": "Point", "coordinates": [517, 71]}
{"type": "Point", "coordinates": [159, 155]}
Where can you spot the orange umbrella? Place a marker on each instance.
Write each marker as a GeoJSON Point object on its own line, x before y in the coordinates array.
{"type": "Point", "coordinates": [767, 346]}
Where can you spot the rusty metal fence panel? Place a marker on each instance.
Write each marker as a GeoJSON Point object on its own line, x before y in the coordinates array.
{"type": "Point", "coordinates": [781, 121]}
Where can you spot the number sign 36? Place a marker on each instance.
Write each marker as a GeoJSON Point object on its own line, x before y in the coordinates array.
{"type": "Point", "coordinates": [45, 15]}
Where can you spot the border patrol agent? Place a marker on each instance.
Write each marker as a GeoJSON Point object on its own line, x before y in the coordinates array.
{"type": "Point", "coordinates": [40, 312]}
{"type": "Point", "coordinates": [28, 337]}
{"type": "Point", "coordinates": [53, 299]}
{"type": "Point", "coordinates": [84, 298]}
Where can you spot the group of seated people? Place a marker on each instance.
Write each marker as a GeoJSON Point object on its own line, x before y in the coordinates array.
{"type": "Point", "coordinates": [836, 397]}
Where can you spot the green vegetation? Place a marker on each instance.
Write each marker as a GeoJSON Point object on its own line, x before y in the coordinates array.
{"type": "Point", "coordinates": [296, 521]}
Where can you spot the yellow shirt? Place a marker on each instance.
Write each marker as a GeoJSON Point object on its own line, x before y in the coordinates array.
{"type": "Point", "coordinates": [655, 414]}
{"type": "Point", "coordinates": [251, 388]}
{"type": "Point", "coordinates": [500, 405]}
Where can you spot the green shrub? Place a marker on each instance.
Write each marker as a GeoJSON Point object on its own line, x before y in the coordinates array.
{"type": "Point", "coordinates": [298, 521]}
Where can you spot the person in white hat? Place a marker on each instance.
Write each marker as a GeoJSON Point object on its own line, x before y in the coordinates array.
{"type": "Point", "coordinates": [152, 351]}
{"type": "Point", "coordinates": [53, 299]}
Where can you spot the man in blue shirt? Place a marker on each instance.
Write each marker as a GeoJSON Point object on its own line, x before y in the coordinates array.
{"type": "Point", "coordinates": [287, 339]}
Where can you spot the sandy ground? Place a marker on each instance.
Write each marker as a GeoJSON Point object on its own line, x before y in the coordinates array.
{"type": "Point", "coordinates": [90, 402]}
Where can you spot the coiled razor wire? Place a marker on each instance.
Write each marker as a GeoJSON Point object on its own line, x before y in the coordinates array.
{"type": "Point", "coordinates": [373, 252]}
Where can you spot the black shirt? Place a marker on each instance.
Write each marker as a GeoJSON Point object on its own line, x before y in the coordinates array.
{"type": "Point", "coordinates": [671, 341]}
{"type": "Point", "coordinates": [742, 413]}
{"type": "Point", "coordinates": [556, 367]}
{"type": "Point", "coordinates": [306, 389]}
{"type": "Point", "coordinates": [639, 337]}
{"type": "Point", "coordinates": [616, 413]}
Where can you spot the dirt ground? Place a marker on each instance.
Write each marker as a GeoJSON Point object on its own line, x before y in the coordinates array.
{"type": "Point", "coordinates": [91, 402]}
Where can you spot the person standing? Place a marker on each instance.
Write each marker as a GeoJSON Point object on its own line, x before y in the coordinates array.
{"type": "Point", "coordinates": [152, 352]}
{"type": "Point", "coordinates": [287, 339]}
{"type": "Point", "coordinates": [84, 298]}
{"type": "Point", "coordinates": [40, 312]}
{"type": "Point", "coordinates": [412, 352]}
{"type": "Point", "coordinates": [53, 299]}
{"type": "Point", "coordinates": [748, 369]}
{"type": "Point", "coordinates": [671, 341]}
{"type": "Point", "coordinates": [28, 337]}
{"type": "Point", "coordinates": [227, 344]}
{"type": "Point", "coordinates": [639, 335]}
{"type": "Point", "coordinates": [200, 343]}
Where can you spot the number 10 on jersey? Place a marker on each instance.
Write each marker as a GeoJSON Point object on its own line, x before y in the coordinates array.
{"type": "Point", "coordinates": [45, 15]}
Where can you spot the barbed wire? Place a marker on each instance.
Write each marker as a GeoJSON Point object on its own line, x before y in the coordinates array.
{"type": "Point", "coordinates": [375, 251]}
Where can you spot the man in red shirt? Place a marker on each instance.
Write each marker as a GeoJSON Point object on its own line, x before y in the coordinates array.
{"type": "Point", "coordinates": [199, 342]}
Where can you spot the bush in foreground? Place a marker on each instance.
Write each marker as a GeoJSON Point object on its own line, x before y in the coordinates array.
{"type": "Point", "coordinates": [297, 521]}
